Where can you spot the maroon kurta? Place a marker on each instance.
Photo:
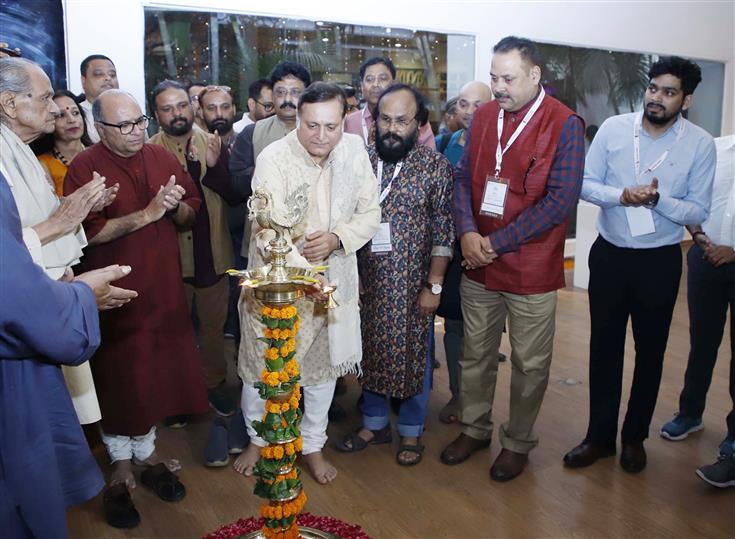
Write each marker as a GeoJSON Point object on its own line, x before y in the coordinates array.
{"type": "Point", "coordinates": [148, 366]}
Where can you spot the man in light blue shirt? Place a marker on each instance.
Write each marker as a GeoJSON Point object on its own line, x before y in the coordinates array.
{"type": "Point", "coordinates": [651, 173]}
{"type": "Point", "coordinates": [710, 293]}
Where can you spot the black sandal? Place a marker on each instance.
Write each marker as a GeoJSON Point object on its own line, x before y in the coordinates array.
{"type": "Point", "coordinates": [120, 512]}
{"type": "Point", "coordinates": [164, 483]}
{"type": "Point", "coordinates": [352, 442]}
{"type": "Point", "coordinates": [417, 449]}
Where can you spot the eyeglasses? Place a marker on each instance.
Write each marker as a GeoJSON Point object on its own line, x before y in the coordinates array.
{"type": "Point", "coordinates": [267, 106]}
{"type": "Point", "coordinates": [401, 123]}
{"type": "Point", "coordinates": [283, 92]}
{"type": "Point", "coordinates": [127, 127]}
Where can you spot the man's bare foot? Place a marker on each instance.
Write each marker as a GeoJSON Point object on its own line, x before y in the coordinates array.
{"type": "Point", "coordinates": [246, 461]}
{"type": "Point", "coordinates": [122, 472]}
{"type": "Point", "coordinates": [173, 465]}
{"type": "Point", "coordinates": [320, 468]}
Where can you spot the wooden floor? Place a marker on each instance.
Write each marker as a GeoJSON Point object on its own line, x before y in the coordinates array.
{"type": "Point", "coordinates": [437, 501]}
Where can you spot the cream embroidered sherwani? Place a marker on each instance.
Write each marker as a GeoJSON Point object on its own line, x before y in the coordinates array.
{"type": "Point", "coordinates": [343, 198]}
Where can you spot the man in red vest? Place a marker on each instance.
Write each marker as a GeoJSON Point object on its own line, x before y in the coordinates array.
{"type": "Point", "coordinates": [518, 180]}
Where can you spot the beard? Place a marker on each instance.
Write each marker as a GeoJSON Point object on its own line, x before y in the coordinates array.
{"type": "Point", "coordinates": [175, 128]}
{"type": "Point", "coordinates": [663, 119]}
{"type": "Point", "coordinates": [392, 147]}
{"type": "Point", "coordinates": [221, 125]}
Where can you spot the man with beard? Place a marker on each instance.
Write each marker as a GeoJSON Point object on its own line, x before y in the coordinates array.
{"type": "Point", "coordinates": [343, 214]}
{"type": "Point", "coordinates": [147, 367]}
{"type": "Point", "coordinates": [206, 249]}
{"type": "Point", "coordinates": [651, 173]}
{"type": "Point", "coordinates": [376, 74]}
{"type": "Point", "coordinates": [260, 104]}
{"type": "Point", "coordinates": [98, 74]}
{"type": "Point", "coordinates": [218, 111]}
{"type": "Point", "coordinates": [517, 181]}
{"type": "Point", "coordinates": [193, 90]}
{"type": "Point", "coordinates": [402, 271]}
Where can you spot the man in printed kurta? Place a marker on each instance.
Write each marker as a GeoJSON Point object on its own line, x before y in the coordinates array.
{"type": "Point", "coordinates": [148, 367]}
{"type": "Point", "coordinates": [343, 215]}
{"type": "Point", "coordinates": [402, 271]}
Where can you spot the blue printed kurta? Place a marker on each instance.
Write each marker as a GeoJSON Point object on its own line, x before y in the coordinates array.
{"type": "Point", "coordinates": [45, 463]}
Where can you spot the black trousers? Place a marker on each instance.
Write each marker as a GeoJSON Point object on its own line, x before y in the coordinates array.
{"type": "Point", "coordinates": [640, 284]}
{"type": "Point", "coordinates": [710, 291]}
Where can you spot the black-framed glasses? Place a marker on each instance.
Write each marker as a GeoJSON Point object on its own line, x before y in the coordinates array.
{"type": "Point", "coordinates": [267, 106]}
{"type": "Point", "coordinates": [127, 127]}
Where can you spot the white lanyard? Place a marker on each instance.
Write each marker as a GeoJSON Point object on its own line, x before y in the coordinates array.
{"type": "Point", "coordinates": [396, 171]}
{"type": "Point", "coordinates": [637, 147]}
{"type": "Point", "coordinates": [500, 151]}
{"type": "Point", "coordinates": [364, 125]}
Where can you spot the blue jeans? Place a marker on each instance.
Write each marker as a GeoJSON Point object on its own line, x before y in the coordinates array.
{"type": "Point", "coordinates": [412, 414]}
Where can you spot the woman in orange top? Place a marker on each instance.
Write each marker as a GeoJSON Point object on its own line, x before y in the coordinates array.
{"type": "Point", "coordinates": [56, 150]}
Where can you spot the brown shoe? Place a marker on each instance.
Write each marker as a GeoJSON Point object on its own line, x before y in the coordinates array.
{"type": "Point", "coordinates": [508, 465]}
{"type": "Point", "coordinates": [585, 454]}
{"type": "Point", "coordinates": [633, 458]}
{"type": "Point", "coordinates": [461, 449]}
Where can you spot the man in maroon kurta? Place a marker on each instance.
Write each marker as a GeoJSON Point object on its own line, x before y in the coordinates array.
{"type": "Point", "coordinates": [147, 367]}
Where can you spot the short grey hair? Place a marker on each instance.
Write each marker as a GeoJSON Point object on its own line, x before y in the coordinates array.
{"type": "Point", "coordinates": [14, 75]}
{"type": "Point", "coordinates": [97, 105]}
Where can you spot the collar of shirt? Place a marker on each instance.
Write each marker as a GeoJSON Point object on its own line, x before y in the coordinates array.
{"type": "Point", "coordinates": [672, 128]}
{"type": "Point", "coordinates": [517, 115]}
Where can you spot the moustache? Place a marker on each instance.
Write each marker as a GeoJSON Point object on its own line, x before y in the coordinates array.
{"type": "Point", "coordinates": [393, 136]}
{"type": "Point", "coordinates": [501, 96]}
{"type": "Point", "coordinates": [288, 104]}
{"type": "Point", "coordinates": [178, 119]}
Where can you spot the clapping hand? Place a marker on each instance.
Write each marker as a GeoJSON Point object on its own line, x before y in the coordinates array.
{"type": "Point", "coordinates": [167, 199]}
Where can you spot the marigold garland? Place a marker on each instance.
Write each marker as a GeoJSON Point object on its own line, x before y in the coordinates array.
{"type": "Point", "coordinates": [277, 478]}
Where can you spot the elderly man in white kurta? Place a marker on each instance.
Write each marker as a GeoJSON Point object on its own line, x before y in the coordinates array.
{"type": "Point", "coordinates": [51, 228]}
{"type": "Point", "coordinates": [343, 215]}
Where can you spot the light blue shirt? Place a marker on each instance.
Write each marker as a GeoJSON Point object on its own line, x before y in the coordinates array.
{"type": "Point", "coordinates": [684, 179]}
{"type": "Point", "coordinates": [720, 226]}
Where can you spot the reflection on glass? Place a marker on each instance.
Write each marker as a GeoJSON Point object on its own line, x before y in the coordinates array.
{"type": "Point", "coordinates": [234, 49]}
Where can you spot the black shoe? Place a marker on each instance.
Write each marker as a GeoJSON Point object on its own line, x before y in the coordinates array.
{"type": "Point", "coordinates": [502, 358]}
{"type": "Point", "coordinates": [220, 401]}
{"type": "Point", "coordinates": [720, 474]}
{"type": "Point", "coordinates": [633, 458]}
{"type": "Point", "coordinates": [120, 512]}
{"type": "Point", "coordinates": [586, 454]}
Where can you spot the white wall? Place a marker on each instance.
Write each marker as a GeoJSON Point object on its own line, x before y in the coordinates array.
{"type": "Point", "coordinates": [697, 29]}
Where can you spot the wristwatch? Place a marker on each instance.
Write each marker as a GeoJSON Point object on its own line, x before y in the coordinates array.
{"type": "Point", "coordinates": [653, 202]}
{"type": "Point", "coordinates": [436, 288]}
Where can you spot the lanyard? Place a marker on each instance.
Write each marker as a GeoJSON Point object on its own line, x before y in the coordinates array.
{"type": "Point", "coordinates": [364, 124]}
{"type": "Point", "coordinates": [396, 171]}
{"type": "Point", "coordinates": [500, 151]}
{"type": "Point", "coordinates": [637, 147]}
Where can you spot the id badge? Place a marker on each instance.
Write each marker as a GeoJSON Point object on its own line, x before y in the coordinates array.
{"type": "Point", "coordinates": [381, 241]}
{"type": "Point", "coordinates": [494, 197]}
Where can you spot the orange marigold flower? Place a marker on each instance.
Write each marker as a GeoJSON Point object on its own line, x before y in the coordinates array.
{"type": "Point", "coordinates": [284, 350]}
{"type": "Point", "coordinates": [285, 407]}
{"type": "Point", "coordinates": [298, 443]}
{"type": "Point", "coordinates": [278, 452]}
{"type": "Point", "coordinates": [271, 353]}
{"type": "Point", "coordinates": [290, 450]}
{"type": "Point", "coordinates": [283, 376]}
